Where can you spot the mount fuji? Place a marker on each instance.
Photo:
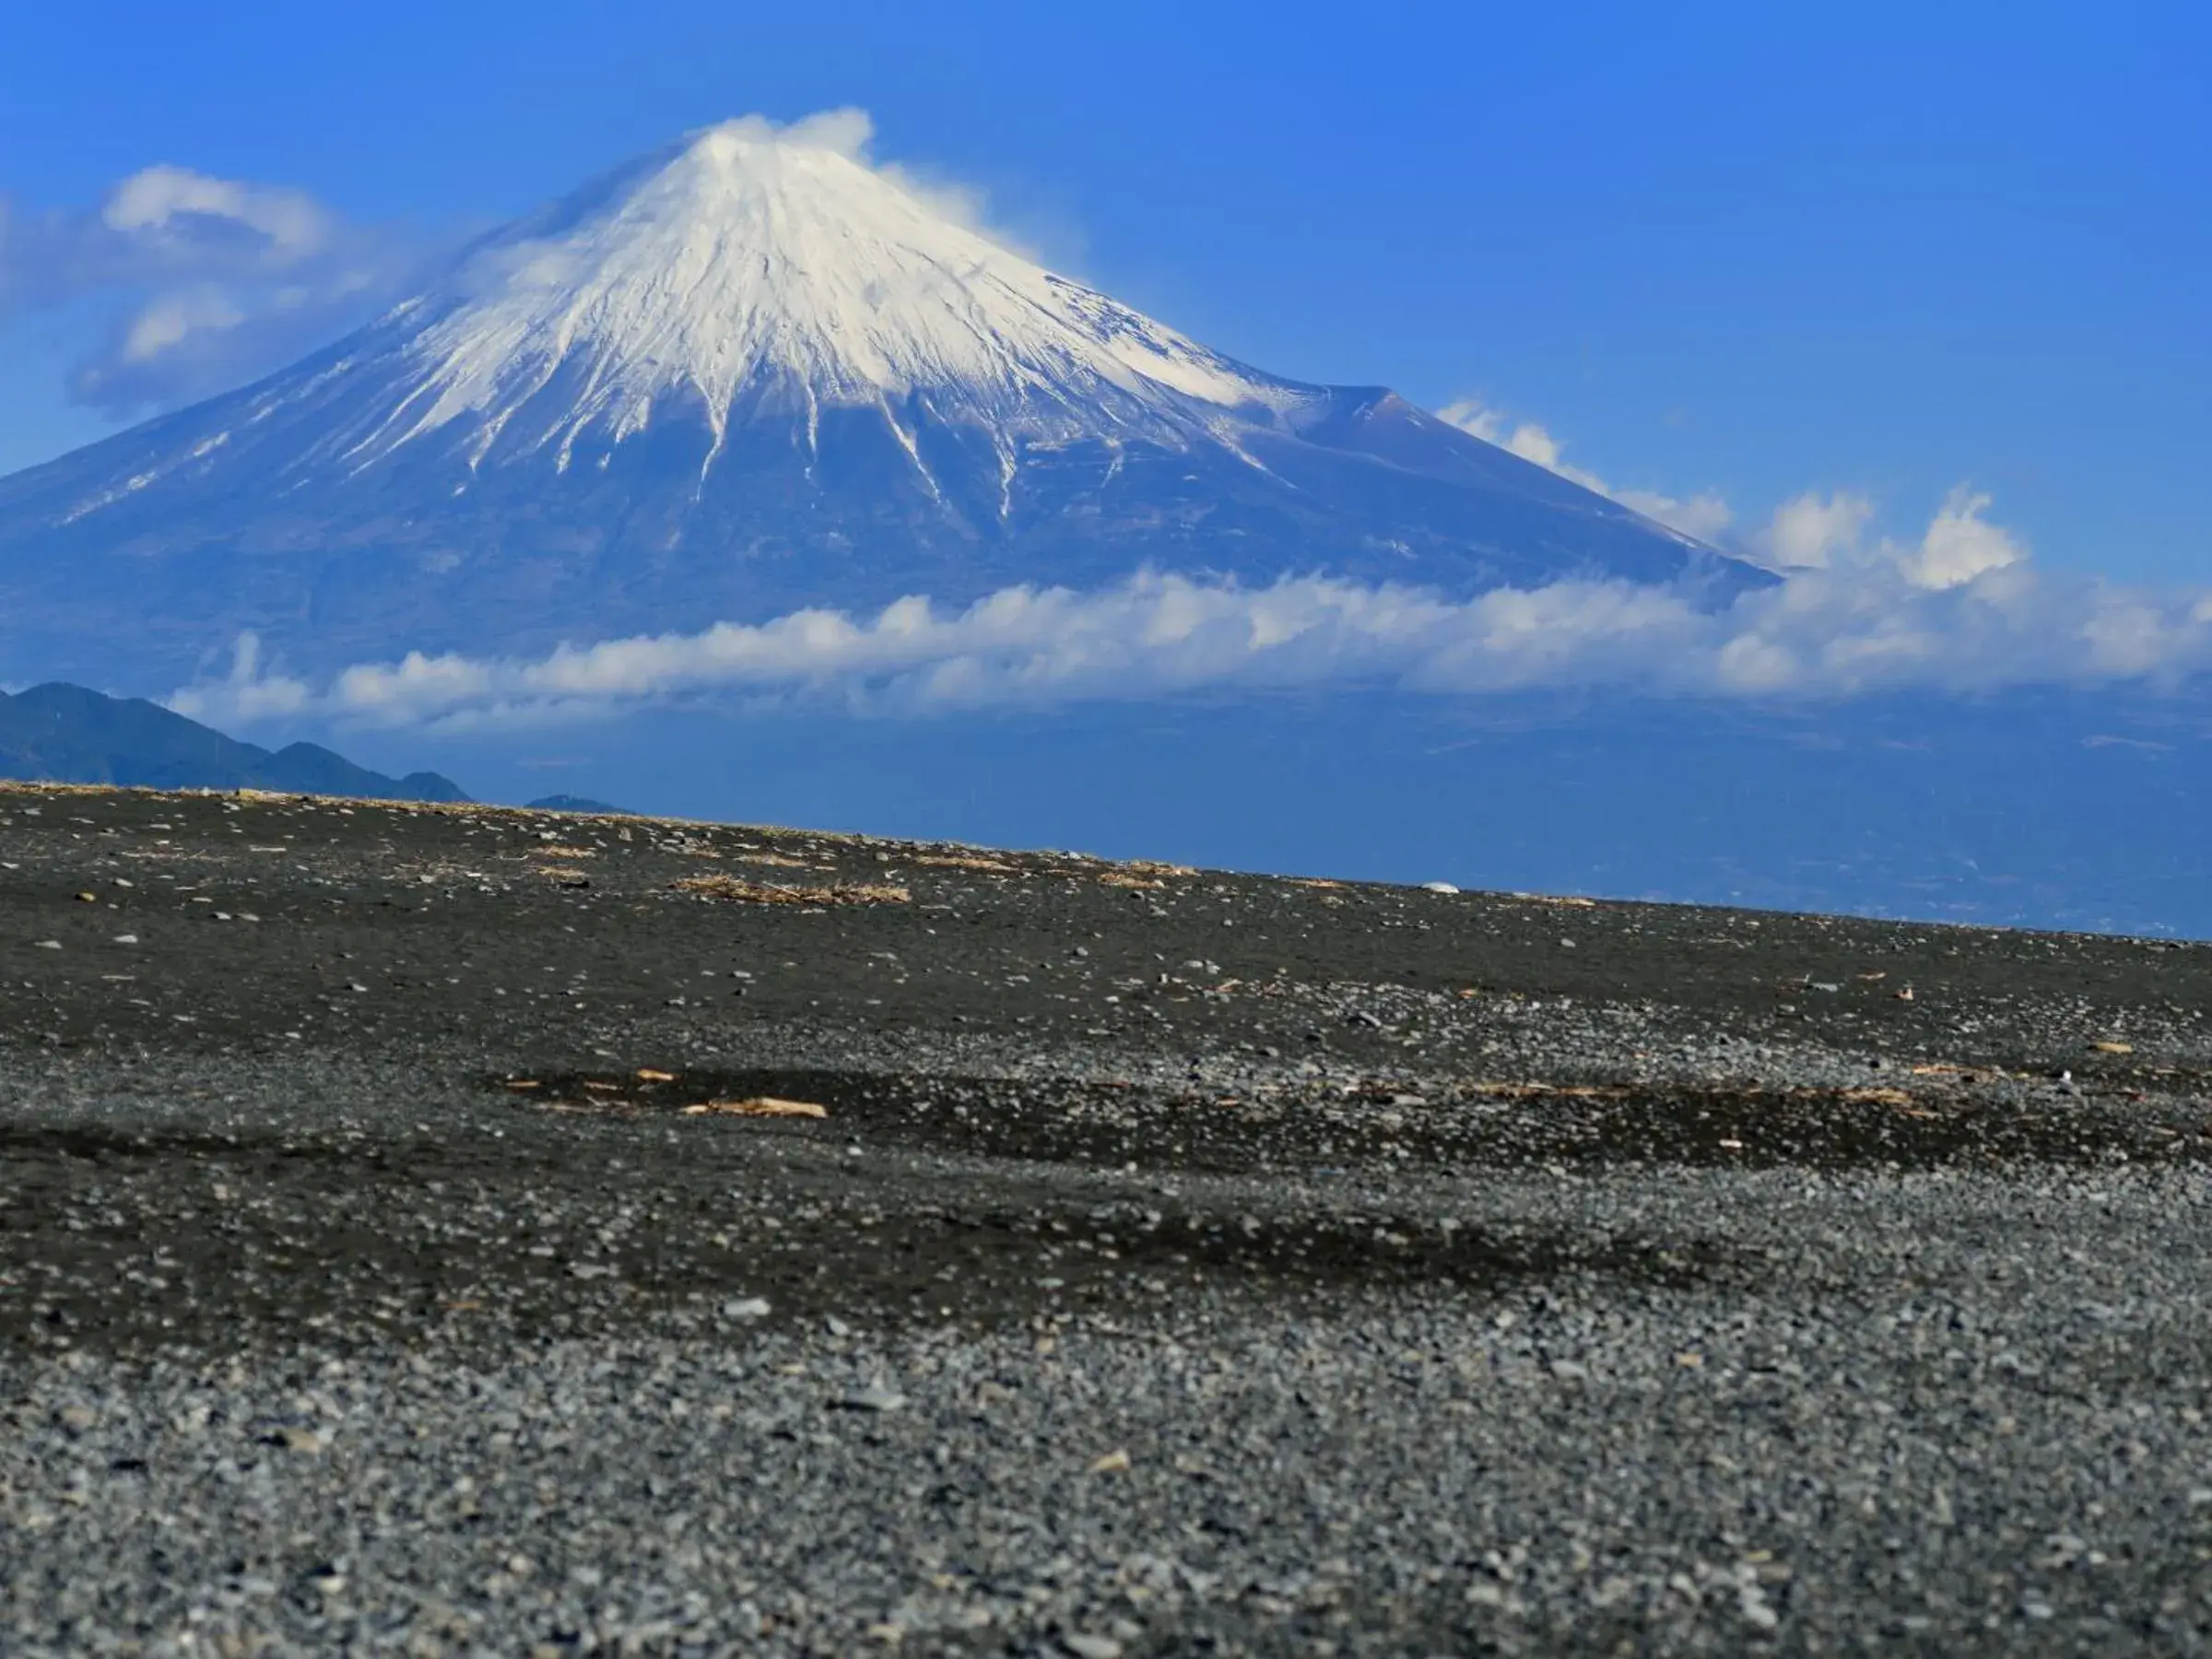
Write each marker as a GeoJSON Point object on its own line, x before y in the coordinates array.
{"type": "Point", "coordinates": [749, 374]}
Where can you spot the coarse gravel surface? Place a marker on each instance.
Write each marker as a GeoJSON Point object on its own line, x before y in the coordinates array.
{"type": "Point", "coordinates": [460, 1229]}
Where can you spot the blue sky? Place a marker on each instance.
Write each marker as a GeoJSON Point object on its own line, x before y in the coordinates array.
{"type": "Point", "coordinates": [1750, 249]}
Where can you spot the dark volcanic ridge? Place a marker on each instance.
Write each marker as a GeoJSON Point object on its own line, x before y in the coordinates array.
{"type": "Point", "coordinates": [69, 734]}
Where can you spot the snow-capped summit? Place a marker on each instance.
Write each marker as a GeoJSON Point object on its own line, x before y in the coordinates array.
{"type": "Point", "coordinates": [748, 271]}
{"type": "Point", "coordinates": [751, 373]}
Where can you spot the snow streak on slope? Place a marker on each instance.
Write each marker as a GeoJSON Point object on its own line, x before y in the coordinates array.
{"type": "Point", "coordinates": [750, 269]}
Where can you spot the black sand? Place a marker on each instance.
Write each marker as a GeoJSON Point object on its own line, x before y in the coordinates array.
{"type": "Point", "coordinates": [1455, 1271]}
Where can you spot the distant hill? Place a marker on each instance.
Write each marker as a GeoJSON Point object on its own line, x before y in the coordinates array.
{"type": "Point", "coordinates": [569, 803]}
{"type": "Point", "coordinates": [67, 734]}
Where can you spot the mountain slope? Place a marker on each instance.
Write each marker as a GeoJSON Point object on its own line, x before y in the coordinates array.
{"type": "Point", "coordinates": [67, 734]}
{"type": "Point", "coordinates": [744, 375]}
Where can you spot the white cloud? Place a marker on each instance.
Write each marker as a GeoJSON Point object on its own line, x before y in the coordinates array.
{"type": "Point", "coordinates": [1960, 609]}
{"type": "Point", "coordinates": [207, 280]}
{"type": "Point", "coordinates": [1961, 545]}
{"type": "Point", "coordinates": [248, 696]}
{"type": "Point", "coordinates": [1809, 532]}
{"type": "Point", "coordinates": [177, 205]}
{"type": "Point", "coordinates": [1812, 531]}
{"type": "Point", "coordinates": [851, 132]}
{"type": "Point", "coordinates": [847, 131]}
{"type": "Point", "coordinates": [169, 320]}
{"type": "Point", "coordinates": [1526, 439]}
{"type": "Point", "coordinates": [1705, 516]}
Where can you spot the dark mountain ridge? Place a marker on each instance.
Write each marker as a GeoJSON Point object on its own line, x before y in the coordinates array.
{"type": "Point", "coordinates": [68, 735]}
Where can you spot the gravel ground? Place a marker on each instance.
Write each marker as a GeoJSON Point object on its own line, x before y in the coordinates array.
{"type": "Point", "coordinates": [396, 1255]}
